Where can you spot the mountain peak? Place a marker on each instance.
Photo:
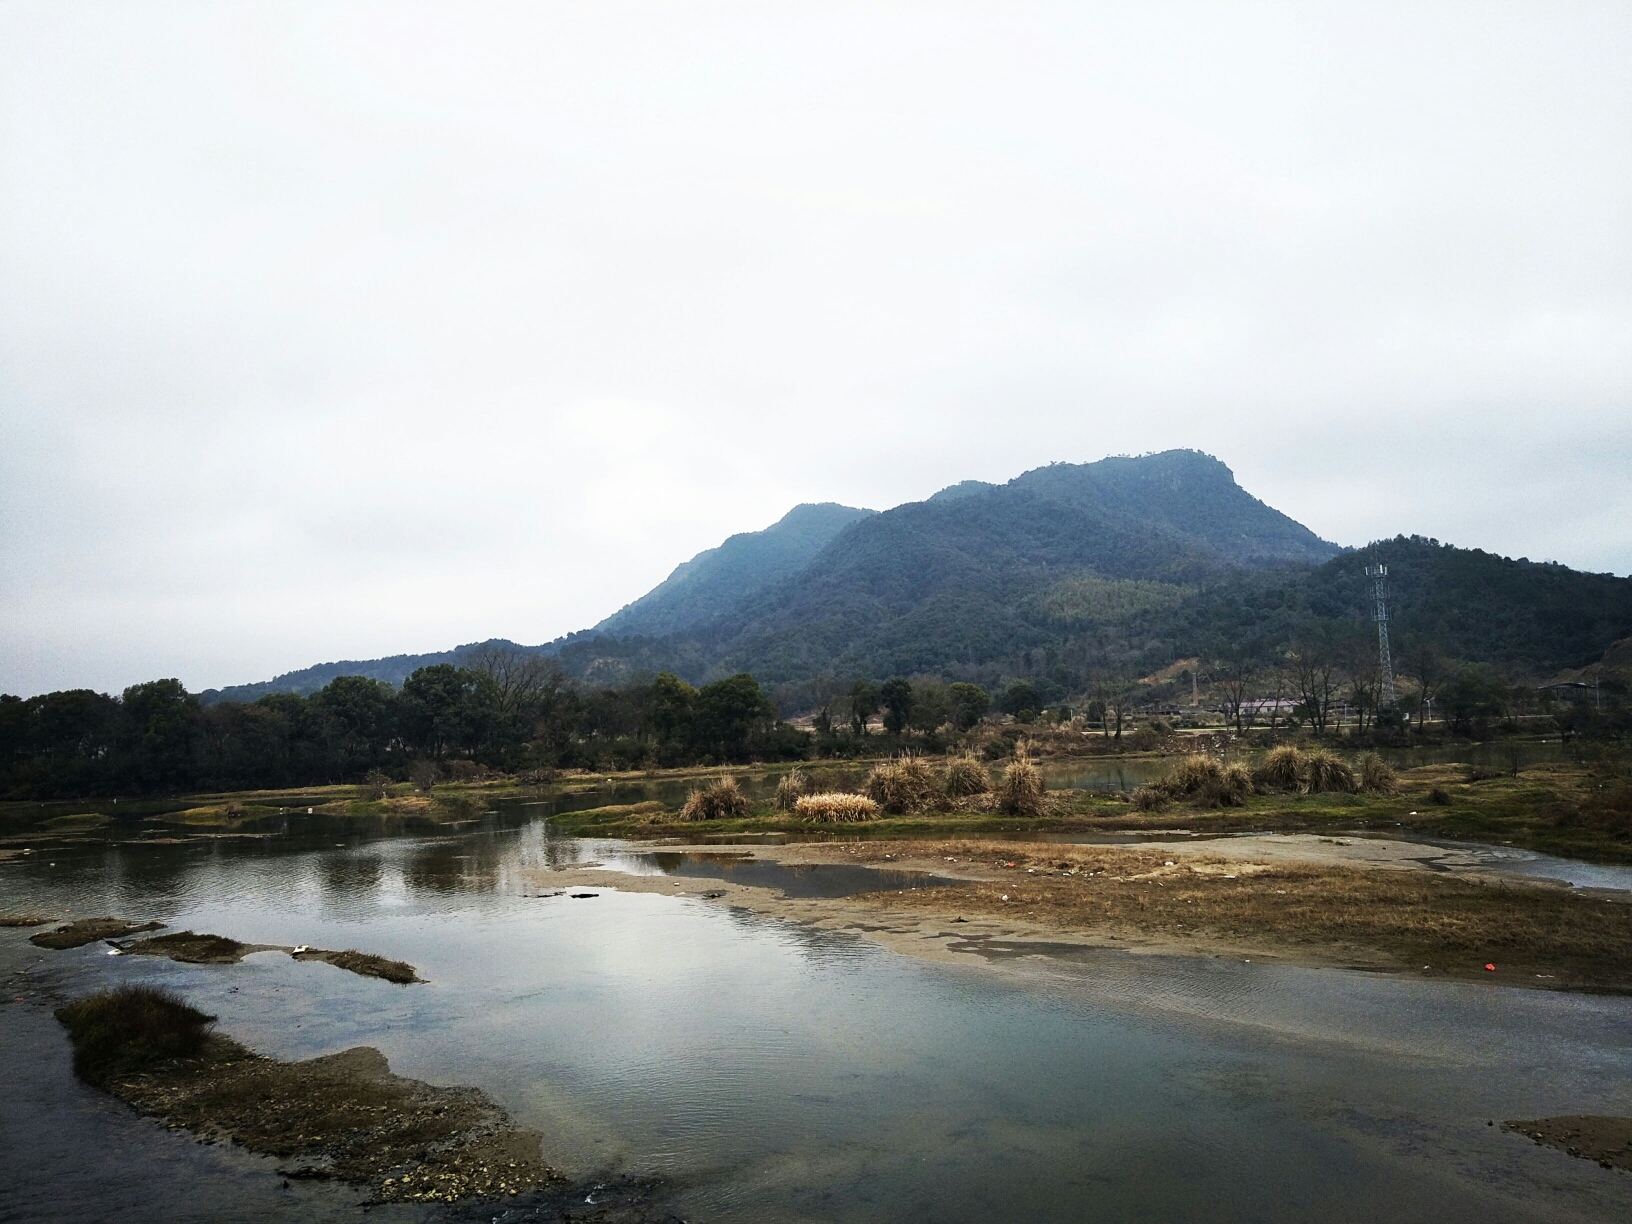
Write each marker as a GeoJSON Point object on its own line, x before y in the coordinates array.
{"type": "Point", "coordinates": [717, 578]}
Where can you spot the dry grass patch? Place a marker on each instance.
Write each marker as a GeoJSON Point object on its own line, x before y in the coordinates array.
{"type": "Point", "coordinates": [965, 775]}
{"type": "Point", "coordinates": [795, 785]}
{"type": "Point", "coordinates": [721, 799]}
{"type": "Point", "coordinates": [905, 786]}
{"type": "Point", "coordinates": [836, 806]}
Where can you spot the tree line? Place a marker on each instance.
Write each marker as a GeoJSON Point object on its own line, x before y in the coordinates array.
{"type": "Point", "coordinates": [507, 711]}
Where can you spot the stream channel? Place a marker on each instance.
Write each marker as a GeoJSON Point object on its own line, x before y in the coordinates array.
{"type": "Point", "coordinates": [760, 1070]}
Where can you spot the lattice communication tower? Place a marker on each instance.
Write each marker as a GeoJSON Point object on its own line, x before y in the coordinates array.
{"type": "Point", "coordinates": [1377, 573]}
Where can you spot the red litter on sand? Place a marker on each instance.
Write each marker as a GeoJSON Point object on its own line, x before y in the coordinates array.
{"type": "Point", "coordinates": [1492, 968]}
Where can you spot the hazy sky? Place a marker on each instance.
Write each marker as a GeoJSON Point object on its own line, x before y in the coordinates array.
{"type": "Point", "coordinates": [341, 330]}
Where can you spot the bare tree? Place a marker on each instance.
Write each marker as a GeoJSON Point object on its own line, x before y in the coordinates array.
{"type": "Point", "coordinates": [1422, 661]}
{"type": "Point", "coordinates": [1315, 678]}
{"type": "Point", "coordinates": [1234, 674]}
{"type": "Point", "coordinates": [1118, 701]}
{"type": "Point", "coordinates": [527, 682]}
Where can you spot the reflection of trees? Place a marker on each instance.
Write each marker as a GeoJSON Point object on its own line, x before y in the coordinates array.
{"type": "Point", "coordinates": [350, 876]}
{"type": "Point", "coordinates": [465, 865]}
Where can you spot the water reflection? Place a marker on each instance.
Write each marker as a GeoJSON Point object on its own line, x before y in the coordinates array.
{"type": "Point", "coordinates": [780, 1071]}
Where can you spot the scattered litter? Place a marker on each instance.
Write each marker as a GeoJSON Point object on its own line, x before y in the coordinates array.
{"type": "Point", "coordinates": [301, 948]}
{"type": "Point", "coordinates": [1005, 896]}
{"type": "Point", "coordinates": [116, 951]}
{"type": "Point", "coordinates": [1229, 877]}
{"type": "Point", "coordinates": [1492, 968]}
{"type": "Point", "coordinates": [1169, 863]}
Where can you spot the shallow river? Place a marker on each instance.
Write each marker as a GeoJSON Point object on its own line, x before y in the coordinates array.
{"type": "Point", "coordinates": [767, 1071]}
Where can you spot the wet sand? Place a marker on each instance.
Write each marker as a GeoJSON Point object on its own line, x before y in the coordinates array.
{"type": "Point", "coordinates": [1342, 902]}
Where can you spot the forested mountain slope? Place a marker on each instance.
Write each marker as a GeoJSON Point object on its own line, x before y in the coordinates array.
{"type": "Point", "coordinates": [965, 579]}
{"type": "Point", "coordinates": [716, 580]}
{"type": "Point", "coordinates": [393, 670]}
{"type": "Point", "coordinates": [1120, 566]}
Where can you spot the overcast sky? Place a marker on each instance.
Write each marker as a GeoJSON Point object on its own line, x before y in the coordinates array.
{"type": "Point", "coordinates": [342, 330]}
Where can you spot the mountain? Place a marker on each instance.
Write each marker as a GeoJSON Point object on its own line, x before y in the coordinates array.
{"type": "Point", "coordinates": [964, 577]}
{"type": "Point", "coordinates": [716, 580]}
{"type": "Point", "coordinates": [1123, 566]}
{"type": "Point", "coordinates": [393, 671]}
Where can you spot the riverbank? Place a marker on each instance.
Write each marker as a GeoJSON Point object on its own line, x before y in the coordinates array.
{"type": "Point", "coordinates": [1571, 809]}
{"type": "Point", "coordinates": [1298, 899]}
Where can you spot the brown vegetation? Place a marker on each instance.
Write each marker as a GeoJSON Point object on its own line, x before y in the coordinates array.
{"type": "Point", "coordinates": [343, 1116]}
{"type": "Point", "coordinates": [192, 949]}
{"type": "Point", "coordinates": [905, 786]}
{"type": "Point", "coordinates": [721, 799]}
{"type": "Point", "coordinates": [964, 776]}
{"type": "Point", "coordinates": [837, 806]}
{"type": "Point", "coordinates": [795, 784]}
{"type": "Point", "coordinates": [1020, 793]}
{"type": "Point", "coordinates": [365, 964]}
{"type": "Point", "coordinates": [88, 930]}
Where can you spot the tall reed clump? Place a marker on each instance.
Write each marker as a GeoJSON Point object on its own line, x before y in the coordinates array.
{"type": "Point", "coordinates": [1200, 777]}
{"type": "Point", "coordinates": [1148, 799]}
{"type": "Point", "coordinates": [1281, 769]}
{"type": "Point", "coordinates": [904, 786]}
{"type": "Point", "coordinates": [795, 784]}
{"type": "Point", "coordinates": [835, 806]}
{"type": "Point", "coordinates": [1318, 771]}
{"type": "Point", "coordinates": [719, 800]}
{"type": "Point", "coordinates": [1377, 775]}
{"type": "Point", "coordinates": [1192, 773]}
{"type": "Point", "coordinates": [966, 776]}
{"type": "Point", "coordinates": [124, 1031]}
{"type": "Point", "coordinates": [1324, 771]}
{"type": "Point", "coordinates": [1020, 793]}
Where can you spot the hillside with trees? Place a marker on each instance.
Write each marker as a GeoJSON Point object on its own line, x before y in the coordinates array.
{"type": "Point", "coordinates": [716, 580]}
{"type": "Point", "coordinates": [1070, 579]}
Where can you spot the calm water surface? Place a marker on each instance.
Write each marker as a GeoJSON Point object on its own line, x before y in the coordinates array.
{"type": "Point", "coordinates": [769, 1071]}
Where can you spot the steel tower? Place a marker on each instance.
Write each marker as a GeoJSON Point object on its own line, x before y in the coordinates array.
{"type": "Point", "coordinates": [1385, 698]}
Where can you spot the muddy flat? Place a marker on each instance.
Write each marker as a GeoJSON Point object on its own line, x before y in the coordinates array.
{"type": "Point", "coordinates": [1348, 902]}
